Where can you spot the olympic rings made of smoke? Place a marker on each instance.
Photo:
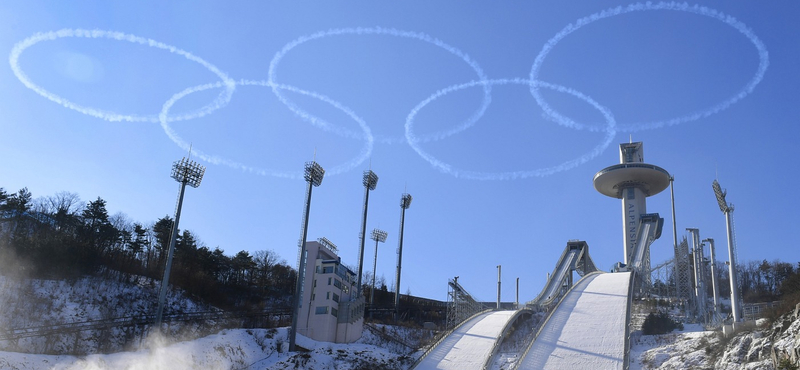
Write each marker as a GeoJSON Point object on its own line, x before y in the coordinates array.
{"type": "Point", "coordinates": [230, 85]}
{"type": "Point", "coordinates": [610, 133]}
{"type": "Point", "coordinates": [637, 7]}
{"type": "Point", "coordinates": [366, 150]}
{"type": "Point", "coordinates": [13, 59]}
{"type": "Point", "coordinates": [359, 31]}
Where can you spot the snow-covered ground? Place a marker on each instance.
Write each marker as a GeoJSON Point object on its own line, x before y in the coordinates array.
{"type": "Point", "coordinates": [676, 350]}
{"type": "Point", "coordinates": [694, 348]}
{"type": "Point", "coordinates": [33, 302]}
{"type": "Point", "coordinates": [230, 349]}
{"type": "Point", "coordinates": [38, 302]}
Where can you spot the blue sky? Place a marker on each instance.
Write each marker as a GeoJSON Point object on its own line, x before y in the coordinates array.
{"type": "Point", "coordinates": [354, 82]}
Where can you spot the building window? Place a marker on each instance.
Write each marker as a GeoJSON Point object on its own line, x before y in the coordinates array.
{"type": "Point", "coordinates": [335, 297]}
{"type": "Point", "coordinates": [327, 269]}
{"type": "Point", "coordinates": [329, 281]}
{"type": "Point", "coordinates": [328, 295]}
{"type": "Point", "coordinates": [337, 284]}
{"type": "Point", "coordinates": [321, 310]}
{"type": "Point", "coordinates": [334, 312]}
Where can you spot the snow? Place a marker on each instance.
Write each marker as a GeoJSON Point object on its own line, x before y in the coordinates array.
{"type": "Point", "coordinates": [678, 350]}
{"type": "Point", "coordinates": [229, 349]}
{"type": "Point", "coordinates": [469, 346]}
{"type": "Point", "coordinates": [35, 302]}
{"type": "Point", "coordinates": [587, 330]}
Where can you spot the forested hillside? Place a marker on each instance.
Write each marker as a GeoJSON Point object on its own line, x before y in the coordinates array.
{"type": "Point", "coordinates": [62, 237]}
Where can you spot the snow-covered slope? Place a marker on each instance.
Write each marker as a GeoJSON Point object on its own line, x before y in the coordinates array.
{"type": "Point", "coordinates": [587, 330]}
{"type": "Point", "coordinates": [469, 346]}
{"type": "Point", "coordinates": [230, 349]}
{"type": "Point", "coordinates": [763, 348]}
{"type": "Point", "coordinates": [32, 302]}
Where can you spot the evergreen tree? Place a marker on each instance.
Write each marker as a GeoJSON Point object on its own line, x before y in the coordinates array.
{"type": "Point", "coordinates": [97, 231]}
{"type": "Point", "coordinates": [139, 242]}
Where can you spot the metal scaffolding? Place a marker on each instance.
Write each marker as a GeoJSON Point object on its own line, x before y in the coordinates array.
{"type": "Point", "coordinates": [460, 304]}
{"type": "Point", "coordinates": [682, 272]}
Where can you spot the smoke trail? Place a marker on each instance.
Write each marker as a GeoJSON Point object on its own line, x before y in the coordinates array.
{"type": "Point", "coordinates": [273, 65]}
{"type": "Point", "coordinates": [683, 7]}
{"type": "Point", "coordinates": [366, 151]}
{"type": "Point", "coordinates": [413, 141]}
{"type": "Point", "coordinates": [13, 59]}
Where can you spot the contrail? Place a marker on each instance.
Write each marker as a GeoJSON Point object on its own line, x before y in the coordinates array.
{"type": "Point", "coordinates": [13, 59]}
{"type": "Point", "coordinates": [413, 141]}
{"type": "Point", "coordinates": [273, 65]}
{"type": "Point", "coordinates": [365, 153]}
{"type": "Point", "coordinates": [683, 7]}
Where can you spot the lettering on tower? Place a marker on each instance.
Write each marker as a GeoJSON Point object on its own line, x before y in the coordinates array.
{"type": "Point", "coordinates": [632, 181]}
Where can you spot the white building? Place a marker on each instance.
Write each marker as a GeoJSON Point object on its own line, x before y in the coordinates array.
{"type": "Point", "coordinates": [329, 309]}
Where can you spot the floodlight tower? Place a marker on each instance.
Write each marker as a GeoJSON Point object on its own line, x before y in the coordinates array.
{"type": "Point", "coordinates": [313, 176]}
{"type": "Point", "coordinates": [370, 181]}
{"type": "Point", "coordinates": [186, 172]}
{"type": "Point", "coordinates": [405, 202]}
{"type": "Point", "coordinates": [379, 236]}
{"type": "Point", "coordinates": [727, 209]}
{"type": "Point", "coordinates": [632, 181]}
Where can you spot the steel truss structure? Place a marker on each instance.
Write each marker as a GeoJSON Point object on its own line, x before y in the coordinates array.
{"type": "Point", "coordinates": [460, 304]}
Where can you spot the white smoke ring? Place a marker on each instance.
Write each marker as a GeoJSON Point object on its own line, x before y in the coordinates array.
{"type": "Point", "coordinates": [21, 46]}
{"type": "Point", "coordinates": [633, 127]}
{"type": "Point", "coordinates": [390, 32]}
{"type": "Point", "coordinates": [365, 153]}
{"type": "Point", "coordinates": [413, 141]}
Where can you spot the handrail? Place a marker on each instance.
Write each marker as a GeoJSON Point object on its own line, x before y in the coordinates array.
{"type": "Point", "coordinates": [444, 335]}
{"type": "Point", "coordinates": [69, 327]}
{"type": "Point", "coordinates": [387, 336]}
{"type": "Point", "coordinates": [630, 165]}
{"type": "Point", "coordinates": [626, 357]}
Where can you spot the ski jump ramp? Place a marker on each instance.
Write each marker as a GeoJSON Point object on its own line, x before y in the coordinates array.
{"type": "Point", "coordinates": [471, 345]}
{"type": "Point", "coordinates": [588, 329]}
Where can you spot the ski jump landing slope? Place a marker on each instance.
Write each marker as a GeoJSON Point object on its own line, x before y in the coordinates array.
{"type": "Point", "coordinates": [587, 330]}
{"type": "Point", "coordinates": [470, 345]}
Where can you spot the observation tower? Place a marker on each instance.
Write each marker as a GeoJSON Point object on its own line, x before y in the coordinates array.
{"type": "Point", "coordinates": [632, 181]}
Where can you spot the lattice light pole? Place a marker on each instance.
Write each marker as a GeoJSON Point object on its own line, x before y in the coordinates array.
{"type": "Point", "coordinates": [370, 181]}
{"type": "Point", "coordinates": [313, 176]}
{"type": "Point", "coordinates": [186, 172]}
{"type": "Point", "coordinates": [727, 209]}
{"type": "Point", "coordinates": [379, 236]}
{"type": "Point", "coordinates": [405, 202]}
